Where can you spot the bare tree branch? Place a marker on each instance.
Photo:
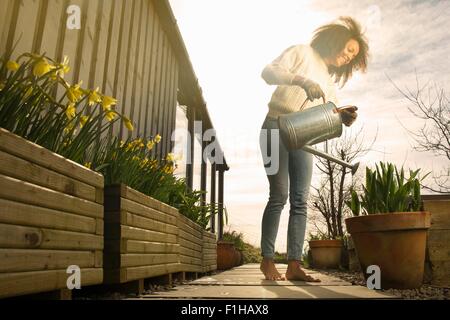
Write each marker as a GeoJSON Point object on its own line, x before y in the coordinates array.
{"type": "Point", "coordinates": [434, 134]}
{"type": "Point", "coordinates": [329, 197]}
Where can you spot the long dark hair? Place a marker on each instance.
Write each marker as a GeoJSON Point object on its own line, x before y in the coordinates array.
{"type": "Point", "coordinates": [330, 39]}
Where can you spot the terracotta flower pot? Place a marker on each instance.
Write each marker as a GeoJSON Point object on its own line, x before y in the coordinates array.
{"type": "Point", "coordinates": [238, 257]}
{"type": "Point", "coordinates": [226, 255]}
{"type": "Point", "coordinates": [395, 242]}
{"type": "Point", "coordinates": [326, 253]}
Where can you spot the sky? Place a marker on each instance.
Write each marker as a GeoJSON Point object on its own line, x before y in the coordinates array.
{"type": "Point", "coordinates": [230, 42]}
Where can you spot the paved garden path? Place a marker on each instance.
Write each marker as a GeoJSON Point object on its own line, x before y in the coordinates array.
{"type": "Point", "coordinates": [247, 282]}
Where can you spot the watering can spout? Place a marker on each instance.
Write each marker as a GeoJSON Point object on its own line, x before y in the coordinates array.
{"type": "Point", "coordinates": [300, 130]}
{"type": "Point", "coordinates": [355, 168]}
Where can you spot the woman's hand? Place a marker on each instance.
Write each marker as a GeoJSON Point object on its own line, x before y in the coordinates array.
{"type": "Point", "coordinates": [313, 90]}
{"type": "Point", "coordinates": [348, 115]}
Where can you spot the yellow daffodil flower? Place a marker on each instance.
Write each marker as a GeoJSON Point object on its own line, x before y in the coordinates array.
{"type": "Point", "coordinates": [12, 66]}
{"type": "Point", "coordinates": [42, 67]}
{"type": "Point", "coordinates": [150, 145]}
{"type": "Point", "coordinates": [83, 120]}
{"type": "Point", "coordinates": [170, 157]}
{"type": "Point", "coordinates": [74, 93]}
{"type": "Point", "coordinates": [128, 124]}
{"type": "Point", "coordinates": [88, 165]}
{"type": "Point", "coordinates": [168, 169]}
{"type": "Point", "coordinates": [153, 163]}
{"type": "Point", "coordinates": [68, 128]}
{"type": "Point", "coordinates": [110, 115]}
{"type": "Point", "coordinates": [107, 102]}
{"type": "Point", "coordinates": [144, 162]}
{"type": "Point", "coordinates": [64, 67]}
{"type": "Point", "coordinates": [70, 111]}
{"type": "Point", "coordinates": [135, 144]}
{"type": "Point", "coordinates": [129, 146]}
{"type": "Point", "coordinates": [67, 143]}
{"type": "Point", "coordinates": [94, 97]}
{"type": "Point", "coordinates": [157, 138]}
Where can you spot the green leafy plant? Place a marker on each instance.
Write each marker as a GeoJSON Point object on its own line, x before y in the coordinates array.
{"type": "Point", "coordinates": [387, 190]}
{"type": "Point", "coordinates": [280, 257]}
{"type": "Point", "coordinates": [321, 236]}
{"type": "Point", "coordinates": [354, 204]}
{"type": "Point", "coordinates": [130, 162]}
{"type": "Point", "coordinates": [191, 206]}
{"type": "Point", "coordinates": [251, 254]}
{"type": "Point", "coordinates": [236, 238]}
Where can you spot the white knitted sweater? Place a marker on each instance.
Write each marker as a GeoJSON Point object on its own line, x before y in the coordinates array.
{"type": "Point", "coordinates": [300, 60]}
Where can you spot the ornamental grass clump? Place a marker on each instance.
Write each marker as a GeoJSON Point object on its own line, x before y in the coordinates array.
{"type": "Point", "coordinates": [387, 190]}
{"type": "Point", "coordinates": [37, 104]}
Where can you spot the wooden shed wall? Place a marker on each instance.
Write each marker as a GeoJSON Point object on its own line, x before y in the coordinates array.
{"type": "Point", "coordinates": [121, 48]}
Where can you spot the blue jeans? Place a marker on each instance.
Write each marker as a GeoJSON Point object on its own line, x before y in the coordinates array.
{"type": "Point", "coordinates": [296, 168]}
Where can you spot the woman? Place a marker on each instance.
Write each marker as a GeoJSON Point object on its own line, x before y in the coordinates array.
{"type": "Point", "coordinates": [305, 76]}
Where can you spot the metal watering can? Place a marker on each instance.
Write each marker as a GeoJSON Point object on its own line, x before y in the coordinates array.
{"type": "Point", "coordinates": [301, 129]}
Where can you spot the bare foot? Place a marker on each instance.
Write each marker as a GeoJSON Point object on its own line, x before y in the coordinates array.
{"type": "Point", "coordinates": [295, 273]}
{"type": "Point", "coordinates": [270, 271]}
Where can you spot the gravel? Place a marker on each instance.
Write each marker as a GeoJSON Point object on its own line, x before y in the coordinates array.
{"type": "Point", "coordinates": [426, 292]}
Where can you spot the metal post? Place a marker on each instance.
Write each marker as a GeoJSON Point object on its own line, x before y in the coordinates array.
{"type": "Point", "coordinates": [221, 170]}
{"type": "Point", "coordinates": [190, 146]}
{"type": "Point", "coordinates": [203, 176]}
{"type": "Point", "coordinates": [213, 196]}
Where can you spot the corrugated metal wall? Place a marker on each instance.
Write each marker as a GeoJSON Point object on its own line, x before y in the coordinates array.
{"type": "Point", "coordinates": [121, 48]}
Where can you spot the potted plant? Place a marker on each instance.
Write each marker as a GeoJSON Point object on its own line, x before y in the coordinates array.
{"type": "Point", "coordinates": [325, 251]}
{"type": "Point", "coordinates": [389, 229]}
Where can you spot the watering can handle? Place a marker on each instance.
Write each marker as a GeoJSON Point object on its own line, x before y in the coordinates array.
{"type": "Point", "coordinates": [303, 104]}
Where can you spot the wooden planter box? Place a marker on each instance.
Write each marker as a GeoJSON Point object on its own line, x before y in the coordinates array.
{"type": "Point", "coordinates": [141, 236]}
{"type": "Point", "coordinates": [209, 251]}
{"type": "Point", "coordinates": [190, 238]}
{"type": "Point", "coordinates": [438, 241]}
{"type": "Point", "coordinates": [51, 217]}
